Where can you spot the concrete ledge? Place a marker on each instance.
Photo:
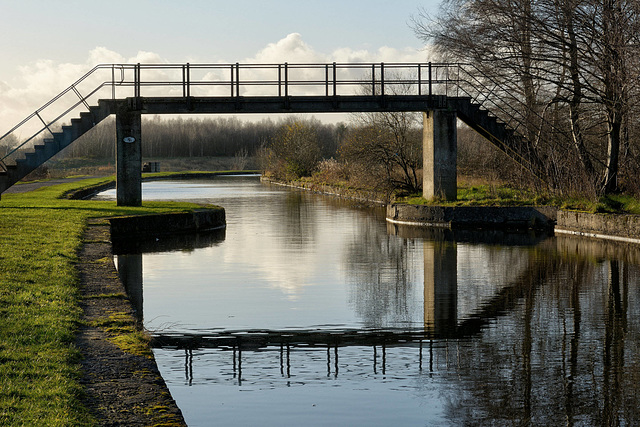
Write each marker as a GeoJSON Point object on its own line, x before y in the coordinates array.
{"type": "Point", "coordinates": [167, 224]}
{"type": "Point", "coordinates": [365, 196]}
{"type": "Point", "coordinates": [87, 193]}
{"type": "Point", "coordinates": [467, 217]}
{"type": "Point", "coordinates": [621, 228]}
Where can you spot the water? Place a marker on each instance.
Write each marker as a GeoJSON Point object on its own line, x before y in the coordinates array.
{"type": "Point", "coordinates": [309, 311]}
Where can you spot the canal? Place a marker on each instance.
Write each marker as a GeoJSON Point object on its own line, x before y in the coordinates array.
{"type": "Point", "coordinates": [310, 310]}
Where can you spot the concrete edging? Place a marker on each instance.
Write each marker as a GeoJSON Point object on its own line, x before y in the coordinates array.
{"type": "Point", "coordinates": [168, 223]}
{"type": "Point", "coordinates": [617, 227]}
{"type": "Point", "coordinates": [614, 227]}
{"type": "Point", "coordinates": [517, 218]}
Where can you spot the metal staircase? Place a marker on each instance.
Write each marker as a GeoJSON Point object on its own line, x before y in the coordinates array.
{"type": "Point", "coordinates": [498, 133]}
{"type": "Point", "coordinates": [40, 153]}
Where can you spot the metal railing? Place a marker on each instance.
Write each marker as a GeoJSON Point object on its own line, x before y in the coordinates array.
{"type": "Point", "coordinates": [119, 81]}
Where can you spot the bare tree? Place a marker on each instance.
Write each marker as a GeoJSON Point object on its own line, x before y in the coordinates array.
{"type": "Point", "coordinates": [571, 58]}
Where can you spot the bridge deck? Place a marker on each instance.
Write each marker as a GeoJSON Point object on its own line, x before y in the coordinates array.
{"type": "Point", "coordinates": [290, 104]}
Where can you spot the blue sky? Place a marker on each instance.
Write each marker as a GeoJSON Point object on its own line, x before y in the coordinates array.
{"type": "Point", "coordinates": [48, 44]}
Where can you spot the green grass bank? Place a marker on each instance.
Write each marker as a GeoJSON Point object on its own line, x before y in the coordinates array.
{"type": "Point", "coordinates": [40, 236]}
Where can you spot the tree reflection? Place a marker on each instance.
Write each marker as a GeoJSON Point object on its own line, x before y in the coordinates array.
{"type": "Point", "coordinates": [554, 344]}
{"type": "Point", "coordinates": [560, 357]}
{"type": "Point", "coordinates": [383, 284]}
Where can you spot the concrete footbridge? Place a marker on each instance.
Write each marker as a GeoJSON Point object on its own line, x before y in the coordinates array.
{"type": "Point", "coordinates": [442, 92]}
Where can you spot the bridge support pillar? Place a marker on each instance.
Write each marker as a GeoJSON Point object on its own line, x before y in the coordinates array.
{"type": "Point", "coordinates": [128, 157]}
{"type": "Point", "coordinates": [440, 150]}
{"type": "Point", "coordinates": [440, 287]}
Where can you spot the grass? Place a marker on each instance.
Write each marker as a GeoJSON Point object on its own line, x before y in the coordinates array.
{"type": "Point", "coordinates": [504, 195]}
{"type": "Point", "coordinates": [123, 331]}
{"type": "Point", "coordinates": [40, 234]}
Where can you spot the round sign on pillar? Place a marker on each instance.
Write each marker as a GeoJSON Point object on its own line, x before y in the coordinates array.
{"type": "Point", "coordinates": [129, 140]}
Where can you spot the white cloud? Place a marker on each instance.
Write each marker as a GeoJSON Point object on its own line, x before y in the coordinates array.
{"type": "Point", "coordinates": [289, 49]}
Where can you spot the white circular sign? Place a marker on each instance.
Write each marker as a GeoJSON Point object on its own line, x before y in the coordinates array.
{"type": "Point", "coordinates": [129, 139]}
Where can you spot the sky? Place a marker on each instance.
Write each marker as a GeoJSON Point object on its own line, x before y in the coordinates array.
{"type": "Point", "coordinates": [48, 44]}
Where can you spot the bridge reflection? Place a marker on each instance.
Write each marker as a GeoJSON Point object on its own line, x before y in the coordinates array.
{"type": "Point", "coordinates": [441, 312]}
{"type": "Point", "coordinates": [372, 346]}
{"type": "Point", "coordinates": [129, 257]}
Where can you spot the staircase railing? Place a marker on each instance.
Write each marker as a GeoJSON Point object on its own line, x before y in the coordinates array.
{"type": "Point", "coordinates": [480, 86]}
{"type": "Point", "coordinates": [43, 124]}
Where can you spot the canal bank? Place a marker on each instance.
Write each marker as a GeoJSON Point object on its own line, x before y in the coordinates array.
{"type": "Point", "coordinates": [41, 377]}
{"type": "Point", "coordinates": [622, 228]}
{"type": "Point", "coordinates": [123, 385]}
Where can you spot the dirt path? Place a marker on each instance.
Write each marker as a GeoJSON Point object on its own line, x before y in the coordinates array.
{"type": "Point", "coordinates": [122, 389]}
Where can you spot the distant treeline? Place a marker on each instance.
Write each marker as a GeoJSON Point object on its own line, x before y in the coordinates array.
{"type": "Point", "coordinates": [195, 137]}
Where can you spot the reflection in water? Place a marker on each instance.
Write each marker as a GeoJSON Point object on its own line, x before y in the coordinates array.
{"type": "Point", "coordinates": [420, 327]}
{"type": "Point", "coordinates": [440, 286]}
{"type": "Point", "coordinates": [129, 257]}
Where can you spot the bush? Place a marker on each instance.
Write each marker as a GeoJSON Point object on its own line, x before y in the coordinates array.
{"type": "Point", "coordinates": [294, 151]}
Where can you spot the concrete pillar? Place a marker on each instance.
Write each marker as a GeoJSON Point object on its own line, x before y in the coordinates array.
{"type": "Point", "coordinates": [440, 150]}
{"type": "Point", "coordinates": [128, 157]}
{"type": "Point", "coordinates": [440, 287]}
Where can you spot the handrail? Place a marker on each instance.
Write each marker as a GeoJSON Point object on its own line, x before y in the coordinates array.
{"type": "Point", "coordinates": [72, 87]}
{"type": "Point", "coordinates": [330, 79]}
{"type": "Point", "coordinates": [241, 76]}
{"type": "Point", "coordinates": [482, 89]}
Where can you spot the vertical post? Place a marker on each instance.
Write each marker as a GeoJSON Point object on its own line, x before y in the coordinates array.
{"type": "Point", "coordinates": [128, 156]}
{"type": "Point", "coordinates": [335, 72]}
{"type": "Point", "coordinates": [136, 85]}
{"type": "Point", "coordinates": [279, 80]}
{"type": "Point", "coordinates": [326, 80]}
{"type": "Point", "coordinates": [373, 79]}
{"type": "Point", "coordinates": [286, 79]}
{"type": "Point", "coordinates": [184, 82]}
{"type": "Point", "coordinates": [419, 80]}
{"type": "Point", "coordinates": [382, 78]}
{"type": "Point", "coordinates": [430, 82]}
{"type": "Point", "coordinates": [440, 150]}
{"type": "Point", "coordinates": [231, 83]}
{"type": "Point", "coordinates": [237, 79]}
{"type": "Point", "coordinates": [188, 80]}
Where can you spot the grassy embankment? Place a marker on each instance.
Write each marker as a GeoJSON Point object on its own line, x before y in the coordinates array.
{"type": "Point", "coordinates": [504, 195]}
{"type": "Point", "coordinates": [40, 235]}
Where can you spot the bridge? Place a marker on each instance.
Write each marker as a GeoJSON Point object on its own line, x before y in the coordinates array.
{"type": "Point", "coordinates": [442, 92]}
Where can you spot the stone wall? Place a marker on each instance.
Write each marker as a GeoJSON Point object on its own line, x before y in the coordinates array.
{"type": "Point", "coordinates": [613, 227]}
